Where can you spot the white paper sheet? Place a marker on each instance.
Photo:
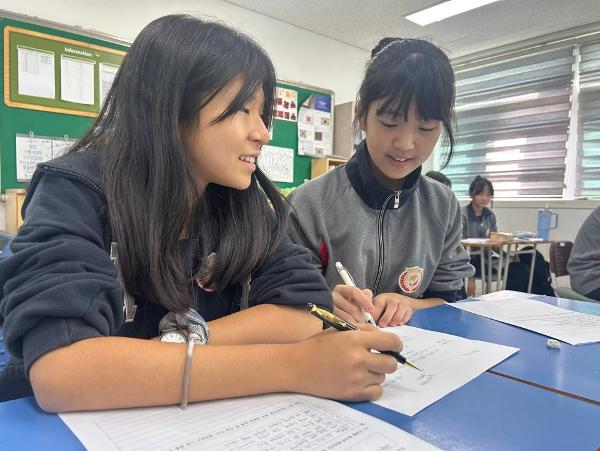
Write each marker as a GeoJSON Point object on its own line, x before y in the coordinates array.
{"type": "Point", "coordinates": [277, 163]}
{"type": "Point", "coordinates": [448, 362]}
{"type": "Point", "coordinates": [108, 72]}
{"type": "Point", "coordinates": [30, 151]}
{"type": "Point", "coordinates": [475, 240]}
{"type": "Point", "coordinates": [270, 422]}
{"type": "Point", "coordinates": [35, 73]}
{"type": "Point", "coordinates": [565, 325]}
{"type": "Point", "coordinates": [505, 294]}
{"type": "Point", "coordinates": [60, 146]}
{"type": "Point", "coordinates": [77, 80]}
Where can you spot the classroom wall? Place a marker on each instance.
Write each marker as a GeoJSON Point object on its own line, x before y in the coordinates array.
{"type": "Point", "coordinates": [299, 55]}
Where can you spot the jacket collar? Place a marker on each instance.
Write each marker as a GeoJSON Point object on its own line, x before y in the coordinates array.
{"type": "Point", "coordinates": [370, 190]}
{"type": "Point", "coordinates": [484, 213]}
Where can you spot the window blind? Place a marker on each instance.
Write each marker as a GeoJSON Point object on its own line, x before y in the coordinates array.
{"type": "Point", "coordinates": [512, 124]}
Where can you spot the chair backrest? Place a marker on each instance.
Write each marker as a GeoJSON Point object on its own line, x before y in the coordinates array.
{"type": "Point", "coordinates": [560, 251]}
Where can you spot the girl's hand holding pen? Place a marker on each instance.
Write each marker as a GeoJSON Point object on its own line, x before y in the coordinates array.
{"type": "Point", "coordinates": [349, 300]}
{"type": "Point", "coordinates": [340, 365]}
{"type": "Point", "coordinates": [388, 309]}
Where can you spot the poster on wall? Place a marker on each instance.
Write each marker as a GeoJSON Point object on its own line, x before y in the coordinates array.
{"type": "Point", "coordinates": [314, 126]}
{"type": "Point", "coordinates": [277, 163]}
{"type": "Point", "coordinates": [32, 150]}
{"type": "Point", "coordinates": [286, 104]}
{"type": "Point", "coordinates": [35, 69]}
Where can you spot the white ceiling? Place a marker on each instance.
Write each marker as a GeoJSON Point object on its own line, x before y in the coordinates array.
{"type": "Point", "coordinates": [362, 23]}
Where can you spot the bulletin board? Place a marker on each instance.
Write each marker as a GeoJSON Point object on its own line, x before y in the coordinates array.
{"type": "Point", "coordinates": [285, 132]}
{"type": "Point", "coordinates": [50, 73]}
{"type": "Point", "coordinates": [47, 122]}
{"type": "Point", "coordinates": [38, 111]}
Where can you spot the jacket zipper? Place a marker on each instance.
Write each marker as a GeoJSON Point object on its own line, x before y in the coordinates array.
{"type": "Point", "coordinates": [381, 244]}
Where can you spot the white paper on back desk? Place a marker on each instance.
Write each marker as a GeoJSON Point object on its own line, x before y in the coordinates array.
{"type": "Point", "coordinates": [513, 308]}
{"type": "Point", "coordinates": [269, 422]}
{"type": "Point", "coordinates": [448, 362]}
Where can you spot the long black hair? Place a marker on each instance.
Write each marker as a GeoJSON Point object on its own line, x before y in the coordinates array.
{"type": "Point", "coordinates": [401, 70]}
{"type": "Point", "coordinates": [175, 66]}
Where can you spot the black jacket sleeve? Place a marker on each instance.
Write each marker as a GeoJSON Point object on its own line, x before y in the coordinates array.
{"type": "Point", "coordinates": [289, 277]}
{"type": "Point", "coordinates": [59, 286]}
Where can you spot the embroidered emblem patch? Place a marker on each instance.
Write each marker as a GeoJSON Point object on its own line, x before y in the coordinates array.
{"type": "Point", "coordinates": [206, 269]}
{"type": "Point", "coordinates": [410, 279]}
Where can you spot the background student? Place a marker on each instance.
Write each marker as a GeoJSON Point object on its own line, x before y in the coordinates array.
{"type": "Point", "coordinates": [168, 173]}
{"type": "Point", "coordinates": [478, 222]}
{"type": "Point", "coordinates": [397, 232]}
{"type": "Point", "coordinates": [584, 263]}
{"type": "Point", "coordinates": [435, 175]}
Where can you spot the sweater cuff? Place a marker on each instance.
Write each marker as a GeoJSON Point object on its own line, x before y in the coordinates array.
{"type": "Point", "coordinates": [448, 296]}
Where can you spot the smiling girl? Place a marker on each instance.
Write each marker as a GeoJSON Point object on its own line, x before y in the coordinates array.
{"type": "Point", "coordinates": [397, 232]}
{"type": "Point", "coordinates": [150, 269]}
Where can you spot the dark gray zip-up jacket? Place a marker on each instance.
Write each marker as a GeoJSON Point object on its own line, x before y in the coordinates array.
{"type": "Point", "coordinates": [346, 215]}
{"type": "Point", "coordinates": [60, 285]}
{"type": "Point", "coordinates": [478, 226]}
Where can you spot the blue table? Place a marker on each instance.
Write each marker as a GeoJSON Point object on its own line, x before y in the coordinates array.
{"type": "Point", "coordinates": [490, 412]}
{"type": "Point", "coordinates": [495, 413]}
{"type": "Point", "coordinates": [573, 370]}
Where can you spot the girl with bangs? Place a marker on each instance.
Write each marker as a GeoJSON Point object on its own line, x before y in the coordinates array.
{"type": "Point", "coordinates": [397, 232]}
{"type": "Point", "coordinates": [154, 235]}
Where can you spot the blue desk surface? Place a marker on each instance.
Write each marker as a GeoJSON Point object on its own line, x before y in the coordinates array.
{"type": "Point", "coordinates": [490, 412]}
{"type": "Point", "coordinates": [571, 369]}
{"type": "Point", "coordinates": [495, 413]}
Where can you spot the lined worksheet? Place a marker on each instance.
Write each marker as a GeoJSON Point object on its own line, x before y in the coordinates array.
{"type": "Point", "coordinates": [269, 422]}
{"type": "Point", "coordinates": [566, 325]}
{"type": "Point", "coordinates": [448, 362]}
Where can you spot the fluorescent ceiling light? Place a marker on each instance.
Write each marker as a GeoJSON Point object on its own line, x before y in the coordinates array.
{"type": "Point", "coordinates": [445, 9]}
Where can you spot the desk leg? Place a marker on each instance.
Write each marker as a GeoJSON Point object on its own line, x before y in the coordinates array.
{"type": "Point", "coordinates": [531, 268]}
{"type": "Point", "coordinates": [466, 279]}
{"type": "Point", "coordinates": [506, 265]}
{"type": "Point", "coordinates": [488, 282]}
{"type": "Point", "coordinates": [499, 277]}
{"type": "Point", "coordinates": [482, 265]}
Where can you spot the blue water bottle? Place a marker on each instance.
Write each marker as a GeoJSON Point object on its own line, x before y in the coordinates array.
{"type": "Point", "coordinates": [544, 223]}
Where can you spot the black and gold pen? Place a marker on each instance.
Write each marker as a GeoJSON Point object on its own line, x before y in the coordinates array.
{"type": "Point", "coordinates": [340, 324]}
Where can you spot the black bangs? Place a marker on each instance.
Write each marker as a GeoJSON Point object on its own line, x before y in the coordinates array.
{"type": "Point", "coordinates": [403, 70]}
{"type": "Point", "coordinates": [420, 80]}
{"type": "Point", "coordinates": [232, 54]}
{"type": "Point", "coordinates": [257, 72]}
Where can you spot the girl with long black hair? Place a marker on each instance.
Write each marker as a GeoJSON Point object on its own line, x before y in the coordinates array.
{"type": "Point", "coordinates": [156, 229]}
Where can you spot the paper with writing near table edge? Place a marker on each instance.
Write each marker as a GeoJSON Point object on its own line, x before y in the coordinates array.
{"type": "Point", "coordinates": [513, 308]}
{"type": "Point", "coordinates": [267, 422]}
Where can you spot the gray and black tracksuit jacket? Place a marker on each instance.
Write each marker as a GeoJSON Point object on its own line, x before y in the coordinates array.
{"type": "Point", "coordinates": [346, 215]}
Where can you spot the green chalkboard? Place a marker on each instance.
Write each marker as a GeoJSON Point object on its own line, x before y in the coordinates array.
{"type": "Point", "coordinates": [285, 133]}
